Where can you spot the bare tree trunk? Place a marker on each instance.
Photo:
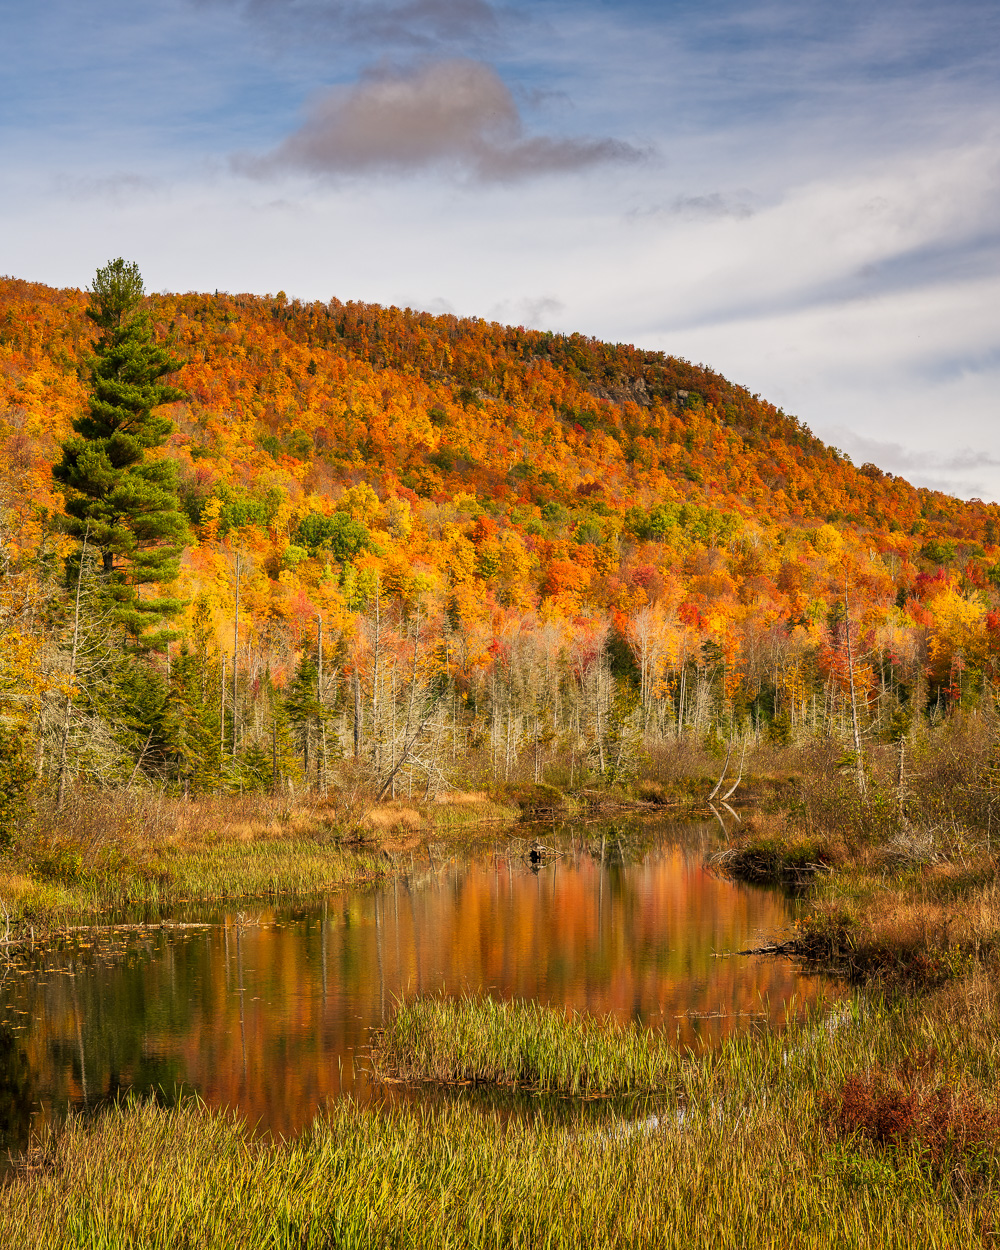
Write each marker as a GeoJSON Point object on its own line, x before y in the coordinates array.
{"type": "Point", "coordinates": [64, 744]}
{"type": "Point", "coordinates": [392, 738]}
{"type": "Point", "coordinates": [357, 713]}
{"type": "Point", "coordinates": [236, 650]}
{"type": "Point", "coordinates": [739, 777]}
{"type": "Point", "coordinates": [536, 750]}
{"type": "Point", "coordinates": [722, 776]}
{"type": "Point", "coordinates": [600, 727]}
{"type": "Point", "coordinates": [494, 736]}
{"type": "Point", "coordinates": [376, 679]}
{"type": "Point", "coordinates": [862, 785]}
{"type": "Point", "coordinates": [680, 700]}
{"type": "Point", "coordinates": [413, 675]}
{"type": "Point", "coordinates": [275, 779]}
{"type": "Point", "coordinates": [321, 752]}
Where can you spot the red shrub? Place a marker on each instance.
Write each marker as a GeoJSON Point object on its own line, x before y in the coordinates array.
{"type": "Point", "coordinates": [890, 1112]}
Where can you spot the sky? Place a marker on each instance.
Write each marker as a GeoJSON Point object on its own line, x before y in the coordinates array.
{"type": "Point", "coordinates": [802, 195]}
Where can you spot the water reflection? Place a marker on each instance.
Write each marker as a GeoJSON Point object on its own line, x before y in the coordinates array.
{"type": "Point", "coordinates": [269, 1011]}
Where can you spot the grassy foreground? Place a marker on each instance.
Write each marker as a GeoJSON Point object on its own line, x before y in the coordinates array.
{"type": "Point", "coordinates": [876, 1128]}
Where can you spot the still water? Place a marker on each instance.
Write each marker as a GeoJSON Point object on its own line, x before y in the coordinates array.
{"type": "Point", "coordinates": [269, 1009]}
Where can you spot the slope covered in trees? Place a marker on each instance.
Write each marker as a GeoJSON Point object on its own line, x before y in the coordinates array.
{"type": "Point", "coordinates": [422, 542]}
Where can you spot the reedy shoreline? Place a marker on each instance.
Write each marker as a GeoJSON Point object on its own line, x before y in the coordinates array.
{"type": "Point", "coordinates": [768, 1141]}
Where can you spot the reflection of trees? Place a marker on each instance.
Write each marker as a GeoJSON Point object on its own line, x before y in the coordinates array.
{"type": "Point", "coordinates": [17, 1094]}
{"type": "Point", "coordinates": [608, 932]}
{"type": "Point", "coordinates": [90, 1023]}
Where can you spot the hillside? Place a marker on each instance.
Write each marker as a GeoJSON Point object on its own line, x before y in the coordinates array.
{"type": "Point", "coordinates": [514, 492]}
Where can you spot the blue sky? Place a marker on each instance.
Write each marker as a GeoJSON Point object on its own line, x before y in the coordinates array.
{"type": "Point", "coordinates": [803, 196]}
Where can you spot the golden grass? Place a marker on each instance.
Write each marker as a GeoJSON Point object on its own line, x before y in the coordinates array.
{"type": "Point", "coordinates": [393, 818]}
{"type": "Point", "coordinates": [462, 798]}
{"type": "Point", "coordinates": [925, 923]}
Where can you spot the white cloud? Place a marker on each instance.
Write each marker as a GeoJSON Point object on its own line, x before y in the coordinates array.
{"type": "Point", "coordinates": [538, 312]}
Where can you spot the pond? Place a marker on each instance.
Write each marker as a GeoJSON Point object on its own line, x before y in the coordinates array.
{"type": "Point", "coordinates": [268, 1008]}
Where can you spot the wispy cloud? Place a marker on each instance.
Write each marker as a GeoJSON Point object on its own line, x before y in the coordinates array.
{"type": "Point", "coordinates": [407, 23]}
{"type": "Point", "coordinates": [454, 113]}
{"type": "Point", "coordinates": [898, 458]}
{"type": "Point", "coordinates": [536, 311]}
{"type": "Point", "coordinates": [117, 189]}
{"type": "Point", "coordinates": [700, 207]}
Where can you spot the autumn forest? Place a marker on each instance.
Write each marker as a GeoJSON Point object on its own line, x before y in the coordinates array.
{"type": "Point", "coordinates": [430, 551]}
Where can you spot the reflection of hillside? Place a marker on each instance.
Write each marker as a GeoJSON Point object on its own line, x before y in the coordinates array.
{"type": "Point", "coordinates": [269, 1016]}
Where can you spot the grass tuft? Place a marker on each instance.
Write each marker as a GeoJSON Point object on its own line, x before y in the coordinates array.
{"type": "Point", "coordinates": [523, 1045]}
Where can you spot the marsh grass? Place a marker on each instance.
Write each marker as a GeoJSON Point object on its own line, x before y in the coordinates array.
{"type": "Point", "coordinates": [771, 850]}
{"type": "Point", "coordinates": [521, 1044]}
{"type": "Point", "coordinates": [923, 924]}
{"type": "Point", "coordinates": [118, 851]}
{"type": "Point", "coordinates": [747, 1147]}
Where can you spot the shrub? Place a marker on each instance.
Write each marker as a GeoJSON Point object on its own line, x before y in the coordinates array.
{"type": "Point", "coordinates": [534, 800]}
{"type": "Point", "coordinates": [946, 1128]}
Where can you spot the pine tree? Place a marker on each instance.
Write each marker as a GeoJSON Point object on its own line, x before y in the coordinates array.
{"type": "Point", "coordinates": [285, 769]}
{"type": "Point", "coordinates": [122, 501]}
{"type": "Point", "coordinates": [303, 711]}
{"type": "Point", "coordinates": [191, 728]}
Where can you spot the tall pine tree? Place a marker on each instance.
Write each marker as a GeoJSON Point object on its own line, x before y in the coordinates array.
{"type": "Point", "coordinates": [120, 499]}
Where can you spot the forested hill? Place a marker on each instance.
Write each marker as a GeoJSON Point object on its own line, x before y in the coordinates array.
{"type": "Point", "coordinates": [551, 433]}
{"type": "Point", "coordinates": [496, 481]}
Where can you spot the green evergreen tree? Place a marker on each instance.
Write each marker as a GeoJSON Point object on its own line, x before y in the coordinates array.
{"type": "Point", "coordinates": [303, 712]}
{"type": "Point", "coordinates": [191, 728]}
{"type": "Point", "coordinates": [255, 772]}
{"type": "Point", "coordinates": [285, 769]}
{"type": "Point", "coordinates": [124, 502]}
{"type": "Point", "coordinates": [131, 696]}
